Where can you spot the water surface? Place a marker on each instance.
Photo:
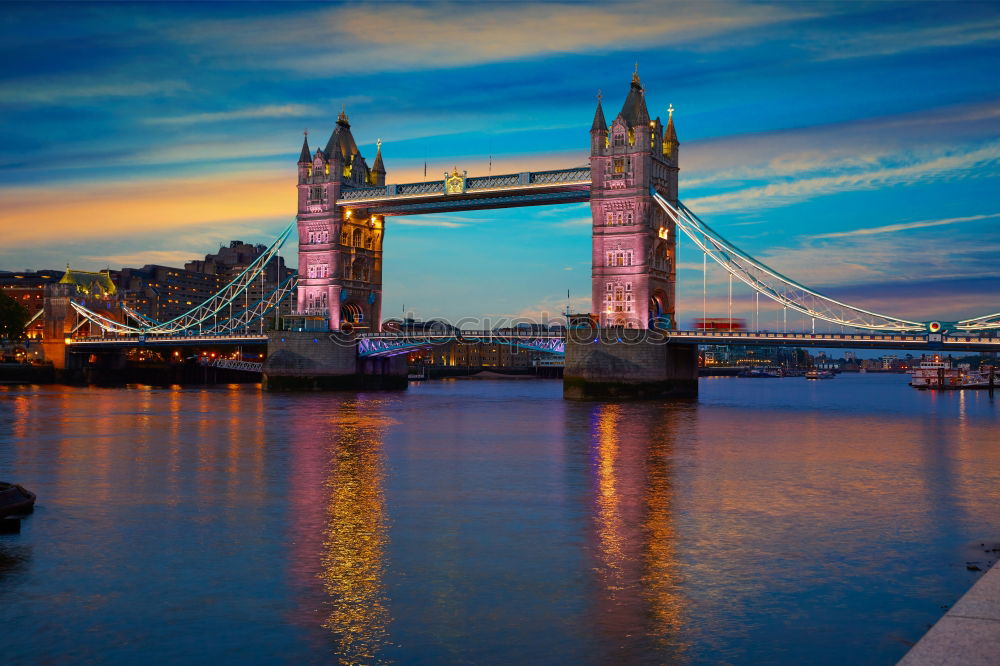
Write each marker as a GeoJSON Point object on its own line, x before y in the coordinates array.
{"type": "Point", "coordinates": [467, 521]}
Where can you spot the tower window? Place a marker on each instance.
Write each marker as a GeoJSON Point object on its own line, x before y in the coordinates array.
{"type": "Point", "coordinates": [619, 165]}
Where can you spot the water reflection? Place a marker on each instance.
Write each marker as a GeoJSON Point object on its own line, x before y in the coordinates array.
{"type": "Point", "coordinates": [639, 605]}
{"type": "Point", "coordinates": [338, 463]}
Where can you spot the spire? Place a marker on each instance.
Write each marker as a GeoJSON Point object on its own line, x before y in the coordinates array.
{"type": "Point", "coordinates": [634, 110]}
{"type": "Point", "coordinates": [342, 118]}
{"type": "Point", "coordinates": [670, 134]}
{"type": "Point", "coordinates": [304, 155]}
{"type": "Point", "coordinates": [670, 142]}
{"type": "Point", "coordinates": [378, 167]}
{"type": "Point", "coordinates": [599, 125]}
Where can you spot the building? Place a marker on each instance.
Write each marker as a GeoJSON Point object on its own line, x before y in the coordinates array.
{"type": "Point", "coordinates": [28, 289]}
{"type": "Point", "coordinates": [166, 292]}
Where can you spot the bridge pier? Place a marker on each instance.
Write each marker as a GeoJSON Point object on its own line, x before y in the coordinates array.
{"type": "Point", "coordinates": [628, 364]}
{"type": "Point", "coordinates": [323, 361]}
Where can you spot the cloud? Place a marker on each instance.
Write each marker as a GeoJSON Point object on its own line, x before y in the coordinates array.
{"type": "Point", "coordinates": [441, 34]}
{"type": "Point", "coordinates": [903, 226]}
{"type": "Point", "coordinates": [864, 44]}
{"type": "Point", "coordinates": [268, 111]}
{"type": "Point", "coordinates": [424, 221]}
{"type": "Point", "coordinates": [141, 258]}
{"type": "Point", "coordinates": [90, 211]}
{"type": "Point", "coordinates": [53, 90]}
{"type": "Point", "coordinates": [902, 169]}
{"type": "Point", "coordinates": [854, 144]}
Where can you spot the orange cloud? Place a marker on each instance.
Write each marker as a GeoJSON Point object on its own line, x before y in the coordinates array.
{"type": "Point", "coordinates": [32, 216]}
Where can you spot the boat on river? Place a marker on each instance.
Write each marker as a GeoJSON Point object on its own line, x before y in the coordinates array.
{"type": "Point", "coordinates": [762, 373]}
{"type": "Point", "coordinates": [938, 374]}
{"type": "Point", "coordinates": [15, 500]}
{"type": "Point", "coordinates": [819, 374]}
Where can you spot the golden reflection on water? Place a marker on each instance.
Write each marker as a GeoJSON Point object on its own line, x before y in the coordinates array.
{"type": "Point", "coordinates": [637, 562]}
{"type": "Point", "coordinates": [355, 538]}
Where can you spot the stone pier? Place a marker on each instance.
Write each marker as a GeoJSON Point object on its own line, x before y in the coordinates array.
{"type": "Point", "coordinates": [324, 361]}
{"type": "Point", "coordinates": [628, 364]}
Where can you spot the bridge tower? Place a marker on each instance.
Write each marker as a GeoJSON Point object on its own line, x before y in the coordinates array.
{"type": "Point", "coordinates": [340, 250]}
{"type": "Point", "coordinates": [634, 241]}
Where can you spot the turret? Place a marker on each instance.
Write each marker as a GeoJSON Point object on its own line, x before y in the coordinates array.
{"type": "Point", "coordinates": [304, 160]}
{"type": "Point", "coordinates": [378, 169]}
{"type": "Point", "coordinates": [670, 142]}
{"type": "Point", "coordinates": [598, 129]}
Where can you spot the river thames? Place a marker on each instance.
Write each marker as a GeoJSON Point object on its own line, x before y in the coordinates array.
{"type": "Point", "coordinates": [479, 521]}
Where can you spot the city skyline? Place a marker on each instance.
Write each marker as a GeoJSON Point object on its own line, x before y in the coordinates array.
{"type": "Point", "coordinates": [854, 148]}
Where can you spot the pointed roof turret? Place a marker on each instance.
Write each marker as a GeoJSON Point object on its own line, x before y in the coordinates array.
{"type": "Point", "coordinates": [670, 134]}
{"type": "Point", "coordinates": [304, 155]}
{"type": "Point", "coordinates": [342, 117]}
{"type": "Point", "coordinates": [599, 124]}
{"type": "Point", "coordinates": [634, 111]}
{"type": "Point", "coordinates": [378, 167]}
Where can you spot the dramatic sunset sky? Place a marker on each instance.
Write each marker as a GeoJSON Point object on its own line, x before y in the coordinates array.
{"type": "Point", "coordinates": [853, 146]}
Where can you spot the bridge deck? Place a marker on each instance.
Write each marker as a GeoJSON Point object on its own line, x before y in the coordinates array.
{"type": "Point", "coordinates": [922, 343]}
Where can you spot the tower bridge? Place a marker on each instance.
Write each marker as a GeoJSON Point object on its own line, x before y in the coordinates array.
{"type": "Point", "coordinates": [344, 210]}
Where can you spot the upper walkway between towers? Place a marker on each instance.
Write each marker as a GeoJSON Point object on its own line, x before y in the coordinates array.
{"type": "Point", "coordinates": [458, 192]}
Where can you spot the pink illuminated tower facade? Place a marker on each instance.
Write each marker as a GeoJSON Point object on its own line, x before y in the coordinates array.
{"type": "Point", "coordinates": [340, 250]}
{"type": "Point", "coordinates": [634, 241]}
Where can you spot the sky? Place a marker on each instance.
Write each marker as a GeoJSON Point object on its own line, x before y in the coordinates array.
{"type": "Point", "coordinates": [854, 147]}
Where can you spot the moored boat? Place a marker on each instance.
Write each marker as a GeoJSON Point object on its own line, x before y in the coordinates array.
{"type": "Point", "coordinates": [15, 500]}
{"type": "Point", "coordinates": [819, 374]}
{"type": "Point", "coordinates": [938, 374]}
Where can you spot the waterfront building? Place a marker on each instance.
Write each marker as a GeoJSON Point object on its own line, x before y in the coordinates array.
{"type": "Point", "coordinates": [28, 289]}
{"type": "Point", "coordinates": [165, 292]}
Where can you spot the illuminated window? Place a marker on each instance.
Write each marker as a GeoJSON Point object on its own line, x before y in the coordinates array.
{"type": "Point", "coordinates": [619, 165]}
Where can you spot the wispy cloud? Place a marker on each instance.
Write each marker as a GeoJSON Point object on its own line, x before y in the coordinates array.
{"type": "Point", "coordinates": [442, 34]}
{"type": "Point", "coordinates": [892, 41]}
{"type": "Point", "coordinates": [912, 169]}
{"type": "Point", "coordinates": [904, 226]}
{"type": "Point", "coordinates": [425, 221]}
{"type": "Point", "coordinates": [54, 90]}
{"type": "Point", "coordinates": [267, 111]}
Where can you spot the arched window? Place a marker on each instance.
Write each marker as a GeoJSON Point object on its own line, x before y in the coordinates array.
{"type": "Point", "coordinates": [356, 239]}
{"type": "Point", "coordinates": [312, 271]}
{"type": "Point", "coordinates": [619, 139]}
{"type": "Point", "coordinates": [619, 218]}
{"type": "Point", "coordinates": [610, 218]}
{"type": "Point", "coordinates": [343, 238]}
{"type": "Point", "coordinates": [324, 299]}
{"type": "Point", "coordinates": [312, 237]}
{"type": "Point", "coordinates": [628, 218]}
{"type": "Point", "coordinates": [611, 259]}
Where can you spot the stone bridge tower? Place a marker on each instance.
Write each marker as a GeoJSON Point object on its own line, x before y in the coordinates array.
{"type": "Point", "coordinates": [634, 241]}
{"type": "Point", "coordinates": [340, 250]}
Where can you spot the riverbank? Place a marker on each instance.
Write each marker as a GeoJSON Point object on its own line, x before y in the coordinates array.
{"type": "Point", "coordinates": [969, 633]}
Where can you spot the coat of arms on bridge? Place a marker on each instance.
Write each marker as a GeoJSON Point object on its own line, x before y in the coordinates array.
{"type": "Point", "coordinates": [454, 182]}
